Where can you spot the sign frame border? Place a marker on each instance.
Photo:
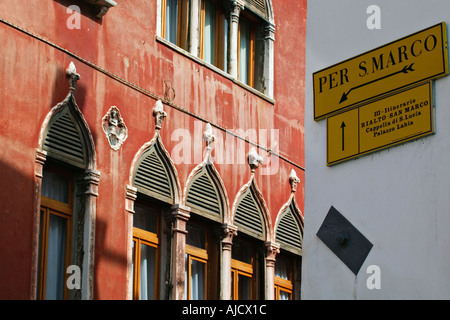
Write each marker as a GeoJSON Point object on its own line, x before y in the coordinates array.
{"type": "Point", "coordinates": [432, 130]}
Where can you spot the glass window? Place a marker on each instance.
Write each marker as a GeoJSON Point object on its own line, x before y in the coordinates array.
{"type": "Point", "coordinates": [196, 262]}
{"type": "Point", "coordinates": [171, 20]}
{"type": "Point", "coordinates": [144, 218]}
{"type": "Point", "coordinates": [214, 34]}
{"type": "Point", "coordinates": [243, 270]}
{"type": "Point", "coordinates": [196, 235]}
{"type": "Point", "coordinates": [176, 22]}
{"type": "Point", "coordinates": [242, 251]}
{"type": "Point", "coordinates": [209, 32]}
{"type": "Point", "coordinates": [54, 235]}
{"type": "Point", "coordinates": [242, 277]}
{"type": "Point", "coordinates": [282, 268]}
{"type": "Point", "coordinates": [245, 51]}
{"type": "Point", "coordinates": [55, 187]}
{"type": "Point", "coordinates": [283, 278]}
{"type": "Point", "coordinates": [145, 252]}
{"type": "Point", "coordinates": [223, 59]}
{"type": "Point", "coordinates": [147, 272]}
{"type": "Point", "coordinates": [56, 254]}
{"type": "Point", "coordinates": [284, 295]}
{"type": "Point", "coordinates": [195, 283]}
{"type": "Point", "coordinates": [244, 287]}
{"type": "Point", "coordinates": [247, 47]}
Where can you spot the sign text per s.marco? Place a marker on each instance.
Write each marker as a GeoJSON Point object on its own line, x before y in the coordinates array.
{"type": "Point", "coordinates": [410, 60]}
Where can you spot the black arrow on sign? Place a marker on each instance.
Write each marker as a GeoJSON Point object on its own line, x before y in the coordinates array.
{"type": "Point", "coordinates": [405, 69]}
{"type": "Point", "coordinates": [343, 128]}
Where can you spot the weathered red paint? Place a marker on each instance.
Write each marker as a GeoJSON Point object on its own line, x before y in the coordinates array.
{"type": "Point", "coordinates": [32, 81]}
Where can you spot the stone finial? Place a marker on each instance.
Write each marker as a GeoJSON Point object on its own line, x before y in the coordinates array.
{"type": "Point", "coordinates": [254, 159]}
{"type": "Point", "coordinates": [209, 138]}
{"type": "Point", "coordinates": [159, 114]}
{"type": "Point", "coordinates": [208, 135]}
{"type": "Point", "coordinates": [71, 72]}
{"type": "Point", "coordinates": [293, 180]}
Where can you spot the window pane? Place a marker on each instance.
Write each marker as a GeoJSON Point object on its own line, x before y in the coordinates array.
{"type": "Point", "coordinates": [55, 187]}
{"type": "Point", "coordinates": [197, 280]}
{"type": "Point", "coordinates": [282, 268]}
{"type": "Point", "coordinates": [186, 274]}
{"type": "Point", "coordinates": [233, 273]}
{"type": "Point", "coordinates": [171, 20]}
{"type": "Point", "coordinates": [147, 273]}
{"type": "Point", "coordinates": [144, 218]}
{"type": "Point", "coordinates": [41, 226]}
{"type": "Point", "coordinates": [225, 44]}
{"type": "Point", "coordinates": [244, 287]}
{"type": "Point", "coordinates": [133, 250]}
{"type": "Point", "coordinates": [56, 256]}
{"type": "Point", "coordinates": [196, 236]}
{"type": "Point", "coordinates": [209, 32]}
{"type": "Point", "coordinates": [284, 295]}
{"type": "Point", "coordinates": [241, 251]}
{"type": "Point", "coordinates": [244, 51]}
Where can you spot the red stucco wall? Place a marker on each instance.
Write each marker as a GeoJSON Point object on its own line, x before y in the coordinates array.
{"type": "Point", "coordinates": [32, 81]}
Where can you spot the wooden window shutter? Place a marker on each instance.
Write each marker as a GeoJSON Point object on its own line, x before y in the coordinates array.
{"type": "Point", "coordinates": [153, 176]}
{"type": "Point", "coordinates": [248, 217]}
{"type": "Point", "coordinates": [289, 232]}
{"type": "Point", "coordinates": [203, 194]}
{"type": "Point", "coordinates": [259, 7]}
{"type": "Point", "coordinates": [64, 140]}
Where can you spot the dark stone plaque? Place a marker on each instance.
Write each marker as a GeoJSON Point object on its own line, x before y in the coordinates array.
{"type": "Point", "coordinates": [346, 242]}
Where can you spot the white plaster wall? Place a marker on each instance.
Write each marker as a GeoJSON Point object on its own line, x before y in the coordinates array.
{"type": "Point", "coordinates": [399, 198]}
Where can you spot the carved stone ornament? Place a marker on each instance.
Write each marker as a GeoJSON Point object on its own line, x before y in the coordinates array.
{"type": "Point", "coordinates": [272, 249]}
{"type": "Point", "coordinates": [236, 7]}
{"type": "Point", "coordinates": [114, 128]}
{"type": "Point", "coordinates": [230, 231]}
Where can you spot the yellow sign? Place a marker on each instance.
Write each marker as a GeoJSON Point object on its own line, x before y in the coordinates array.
{"type": "Point", "coordinates": [410, 60]}
{"type": "Point", "coordinates": [395, 119]}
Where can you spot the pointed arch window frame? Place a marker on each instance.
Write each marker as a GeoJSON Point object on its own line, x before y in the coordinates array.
{"type": "Point", "coordinates": [87, 185]}
{"type": "Point", "coordinates": [263, 212]}
{"type": "Point", "coordinates": [208, 169]}
{"type": "Point", "coordinates": [264, 239]}
{"type": "Point", "coordinates": [157, 146]}
{"type": "Point", "coordinates": [67, 107]}
{"type": "Point", "coordinates": [178, 215]}
{"type": "Point", "coordinates": [292, 209]}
